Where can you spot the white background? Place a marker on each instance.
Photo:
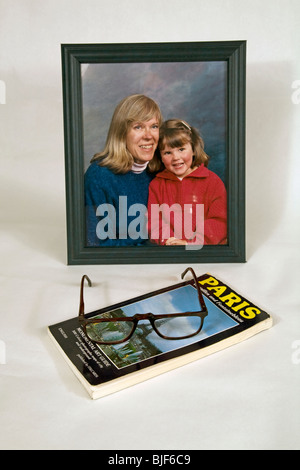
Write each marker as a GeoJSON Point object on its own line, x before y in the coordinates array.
{"type": "Point", "coordinates": [246, 397]}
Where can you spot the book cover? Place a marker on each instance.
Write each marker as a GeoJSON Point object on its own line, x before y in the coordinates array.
{"type": "Point", "coordinates": [105, 369]}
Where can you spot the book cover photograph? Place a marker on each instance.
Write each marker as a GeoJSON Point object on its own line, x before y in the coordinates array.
{"type": "Point", "coordinates": [124, 344]}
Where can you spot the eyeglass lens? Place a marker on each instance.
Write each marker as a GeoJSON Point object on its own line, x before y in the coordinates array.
{"type": "Point", "coordinates": [171, 328]}
{"type": "Point", "coordinates": [107, 332]}
{"type": "Point", "coordinates": [178, 327]}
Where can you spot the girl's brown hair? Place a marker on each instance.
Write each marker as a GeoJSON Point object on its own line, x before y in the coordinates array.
{"type": "Point", "coordinates": [115, 154]}
{"type": "Point", "coordinates": [175, 133]}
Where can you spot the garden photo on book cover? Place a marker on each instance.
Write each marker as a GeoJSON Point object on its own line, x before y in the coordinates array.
{"type": "Point", "coordinates": [154, 146]}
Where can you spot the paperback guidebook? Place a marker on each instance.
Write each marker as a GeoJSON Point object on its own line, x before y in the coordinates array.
{"type": "Point", "coordinates": [105, 369]}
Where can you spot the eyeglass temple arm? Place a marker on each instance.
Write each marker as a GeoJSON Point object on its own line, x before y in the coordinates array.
{"type": "Point", "coordinates": [85, 277]}
{"type": "Point", "coordinates": [201, 300]}
{"type": "Point", "coordinates": [81, 302]}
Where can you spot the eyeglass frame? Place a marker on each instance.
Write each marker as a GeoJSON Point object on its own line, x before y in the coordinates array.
{"type": "Point", "coordinates": [143, 316]}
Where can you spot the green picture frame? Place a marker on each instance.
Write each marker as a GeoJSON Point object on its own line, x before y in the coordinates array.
{"type": "Point", "coordinates": [76, 56]}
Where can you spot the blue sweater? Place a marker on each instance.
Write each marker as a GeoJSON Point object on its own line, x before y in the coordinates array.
{"type": "Point", "coordinates": [105, 226]}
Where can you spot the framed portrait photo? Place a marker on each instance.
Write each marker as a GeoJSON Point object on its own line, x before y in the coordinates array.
{"type": "Point", "coordinates": [185, 170]}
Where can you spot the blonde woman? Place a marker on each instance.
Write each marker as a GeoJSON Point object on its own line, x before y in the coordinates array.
{"type": "Point", "coordinates": [117, 180]}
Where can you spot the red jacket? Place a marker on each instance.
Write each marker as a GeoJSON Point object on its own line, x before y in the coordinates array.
{"type": "Point", "coordinates": [201, 186]}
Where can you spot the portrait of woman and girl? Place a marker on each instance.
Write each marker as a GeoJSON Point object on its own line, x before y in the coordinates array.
{"type": "Point", "coordinates": [151, 183]}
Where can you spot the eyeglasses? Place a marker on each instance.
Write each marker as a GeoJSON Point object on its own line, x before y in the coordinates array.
{"type": "Point", "coordinates": [111, 329]}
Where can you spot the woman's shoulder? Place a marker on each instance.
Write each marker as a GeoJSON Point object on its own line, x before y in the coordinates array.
{"type": "Point", "coordinates": [96, 171]}
{"type": "Point", "coordinates": [95, 168]}
{"type": "Point", "coordinates": [99, 177]}
{"type": "Point", "coordinates": [97, 174]}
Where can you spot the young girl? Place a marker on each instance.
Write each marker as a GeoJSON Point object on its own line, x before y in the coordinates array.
{"type": "Point", "coordinates": [187, 202]}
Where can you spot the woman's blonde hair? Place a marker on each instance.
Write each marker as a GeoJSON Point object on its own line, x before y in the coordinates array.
{"type": "Point", "coordinates": [115, 154]}
{"type": "Point", "coordinates": [175, 133]}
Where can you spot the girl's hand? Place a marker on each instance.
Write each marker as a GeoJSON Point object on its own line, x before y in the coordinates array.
{"type": "Point", "coordinates": [175, 241]}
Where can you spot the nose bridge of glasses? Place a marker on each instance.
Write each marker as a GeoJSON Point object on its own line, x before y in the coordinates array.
{"type": "Point", "coordinates": [143, 316]}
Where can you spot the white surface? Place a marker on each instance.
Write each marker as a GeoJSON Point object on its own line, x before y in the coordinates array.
{"type": "Point", "coordinates": [246, 397]}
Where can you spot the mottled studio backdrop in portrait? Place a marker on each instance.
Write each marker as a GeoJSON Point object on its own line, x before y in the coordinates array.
{"type": "Point", "coordinates": [193, 91]}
